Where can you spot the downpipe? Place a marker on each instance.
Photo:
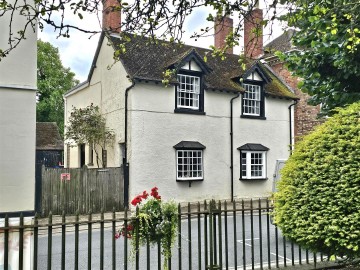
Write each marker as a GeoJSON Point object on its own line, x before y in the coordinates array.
{"type": "Point", "coordinates": [232, 146]}
{"type": "Point", "coordinates": [125, 158]}
{"type": "Point", "coordinates": [290, 126]}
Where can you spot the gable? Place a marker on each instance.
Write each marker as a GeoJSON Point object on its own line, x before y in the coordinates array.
{"type": "Point", "coordinates": [254, 76]}
{"type": "Point", "coordinates": [192, 66]}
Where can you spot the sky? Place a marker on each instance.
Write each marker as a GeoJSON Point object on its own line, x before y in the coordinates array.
{"type": "Point", "coordinates": [77, 52]}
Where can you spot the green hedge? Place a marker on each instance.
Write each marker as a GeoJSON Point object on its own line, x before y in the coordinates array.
{"type": "Point", "coordinates": [318, 200]}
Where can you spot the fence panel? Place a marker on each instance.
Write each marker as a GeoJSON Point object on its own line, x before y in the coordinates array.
{"type": "Point", "coordinates": [233, 236]}
{"type": "Point", "coordinates": [83, 190]}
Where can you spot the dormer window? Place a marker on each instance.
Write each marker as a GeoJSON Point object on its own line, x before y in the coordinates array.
{"type": "Point", "coordinates": [188, 92]}
{"type": "Point", "coordinates": [253, 100]}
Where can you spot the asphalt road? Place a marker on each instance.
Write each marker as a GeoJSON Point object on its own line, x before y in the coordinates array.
{"type": "Point", "coordinates": [257, 251]}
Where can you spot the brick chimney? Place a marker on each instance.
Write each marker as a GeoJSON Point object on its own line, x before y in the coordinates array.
{"type": "Point", "coordinates": [253, 33]}
{"type": "Point", "coordinates": [223, 27]}
{"type": "Point", "coordinates": [111, 20]}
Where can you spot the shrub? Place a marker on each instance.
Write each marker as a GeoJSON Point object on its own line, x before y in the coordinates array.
{"type": "Point", "coordinates": [318, 200]}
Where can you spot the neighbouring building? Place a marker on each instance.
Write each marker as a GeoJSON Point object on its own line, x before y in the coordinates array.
{"type": "Point", "coordinates": [305, 115]}
{"type": "Point", "coordinates": [17, 118]}
{"type": "Point", "coordinates": [216, 131]}
{"type": "Point", "coordinates": [49, 145]}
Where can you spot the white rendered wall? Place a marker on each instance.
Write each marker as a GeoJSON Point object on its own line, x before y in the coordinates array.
{"type": "Point", "coordinates": [155, 129]}
{"type": "Point", "coordinates": [18, 69]}
{"type": "Point", "coordinates": [17, 120]}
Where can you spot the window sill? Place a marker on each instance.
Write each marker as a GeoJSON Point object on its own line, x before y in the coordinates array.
{"type": "Point", "coordinates": [253, 117]}
{"type": "Point", "coordinates": [189, 180]}
{"type": "Point", "coordinates": [253, 179]}
{"type": "Point", "coordinates": [189, 111]}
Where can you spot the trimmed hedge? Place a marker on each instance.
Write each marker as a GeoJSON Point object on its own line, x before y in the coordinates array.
{"type": "Point", "coordinates": [318, 200]}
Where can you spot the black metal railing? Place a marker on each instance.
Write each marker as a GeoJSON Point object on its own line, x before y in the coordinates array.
{"type": "Point", "coordinates": [211, 235]}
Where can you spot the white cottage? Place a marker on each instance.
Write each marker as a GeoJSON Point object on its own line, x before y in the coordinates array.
{"type": "Point", "coordinates": [215, 132]}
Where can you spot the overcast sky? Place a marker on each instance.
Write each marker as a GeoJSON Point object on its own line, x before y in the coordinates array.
{"type": "Point", "coordinates": [77, 52]}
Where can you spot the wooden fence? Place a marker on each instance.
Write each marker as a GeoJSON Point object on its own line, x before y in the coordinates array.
{"type": "Point", "coordinates": [83, 190]}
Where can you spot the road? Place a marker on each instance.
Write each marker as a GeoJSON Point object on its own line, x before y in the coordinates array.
{"type": "Point", "coordinates": [272, 251]}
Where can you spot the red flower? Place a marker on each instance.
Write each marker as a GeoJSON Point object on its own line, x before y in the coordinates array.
{"type": "Point", "coordinates": [136, 200]}
{"type": "Point", "coordinates": [155, 194]}
{"type": "Point", "coordinates": [117, 235]}
{"type": "Point", "coordinates": [144, 195]}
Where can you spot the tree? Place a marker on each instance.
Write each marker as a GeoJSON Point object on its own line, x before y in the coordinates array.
{"type": "Point", "coordinates": [160, 19]}
{"type": "Point", "coordinates": [53, 80]}
{"type": "Point", "coordinates": [88, 126]}
{"type": "Point", "coordinates": [318, 198]}
{"type": "Point", "coordinates": [328, 61]}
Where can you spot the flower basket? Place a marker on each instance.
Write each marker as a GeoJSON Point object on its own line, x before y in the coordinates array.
{"type": "Point", "coordinates": [155, 222]}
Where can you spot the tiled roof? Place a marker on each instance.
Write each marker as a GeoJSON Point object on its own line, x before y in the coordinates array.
{"type": "Point", "coordinates": [147, 60]}
{"type": "Point", "coordinates": [281, 43]}
{"type": "Point", "coordinates": [48, 137]}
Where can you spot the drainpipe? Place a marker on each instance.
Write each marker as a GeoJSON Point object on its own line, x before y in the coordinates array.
{"type": "Point", "coordinates": [290, 125]}
{"type": "Point", "coordinates": [125, 159]}
{"type": "Point", "coordinates": [232, 146]}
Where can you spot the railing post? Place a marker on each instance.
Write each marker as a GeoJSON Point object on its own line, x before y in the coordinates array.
{"type": "Point", "coordinates": [36, 241]}
{"type": "Point", "coordinates": [137, 256]}
{"type": "Point", "coordinates": [213, 211]}
{"type": "Point", "coordinates": [6, 243]}
{"type": "Point", "coordinates": [179, 235]}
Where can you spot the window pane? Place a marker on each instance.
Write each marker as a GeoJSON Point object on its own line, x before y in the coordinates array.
{"type": "Point", "coordinates": [243, 164]}
{"type": "Point", "coordinates": [257, 164]}
{"type": "Point", "coordinates": [189, 164]}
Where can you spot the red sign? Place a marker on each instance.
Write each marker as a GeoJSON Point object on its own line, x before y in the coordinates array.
{"type": "Point", "coordinates": [65, 176]}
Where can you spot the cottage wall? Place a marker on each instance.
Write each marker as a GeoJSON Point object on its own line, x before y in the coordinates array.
{"type": "Point", "coordinates": [155, 129]}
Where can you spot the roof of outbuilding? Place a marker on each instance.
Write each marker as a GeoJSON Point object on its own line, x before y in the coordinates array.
{"type": "Point", "coordinates": [146, 59]}
{"type": "Point", "coordinates": [48, 136]}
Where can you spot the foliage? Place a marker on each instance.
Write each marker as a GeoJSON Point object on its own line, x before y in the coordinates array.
{"type": "Point", "coordinates": [329, 60]}
{"type": "Point", "coordinates": [318, 198]}
{"type": "Point", "coordinates": [155, 221]}
{"type": "Point", "coordinates": [160, 19]}
{"type": "Point", "coordinates": [87, 125]}
{"type": "Point", "coordinates": [53, 80]}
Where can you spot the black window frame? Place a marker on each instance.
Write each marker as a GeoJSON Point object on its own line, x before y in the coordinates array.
{"type": "Point", "coordinates": [189, 146]}
{"type": "Point", "coordinates": [200, 110]}
{"type": "Point", "coordinates": [261, 116]}
{"type": "Point", "coordinates": [249, 149]}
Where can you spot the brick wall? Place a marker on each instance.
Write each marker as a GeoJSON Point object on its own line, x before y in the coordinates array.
{"type": "Point", "coordinates": [111, 16]}
{"type": "Point", "coordinates": [305, 117]}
